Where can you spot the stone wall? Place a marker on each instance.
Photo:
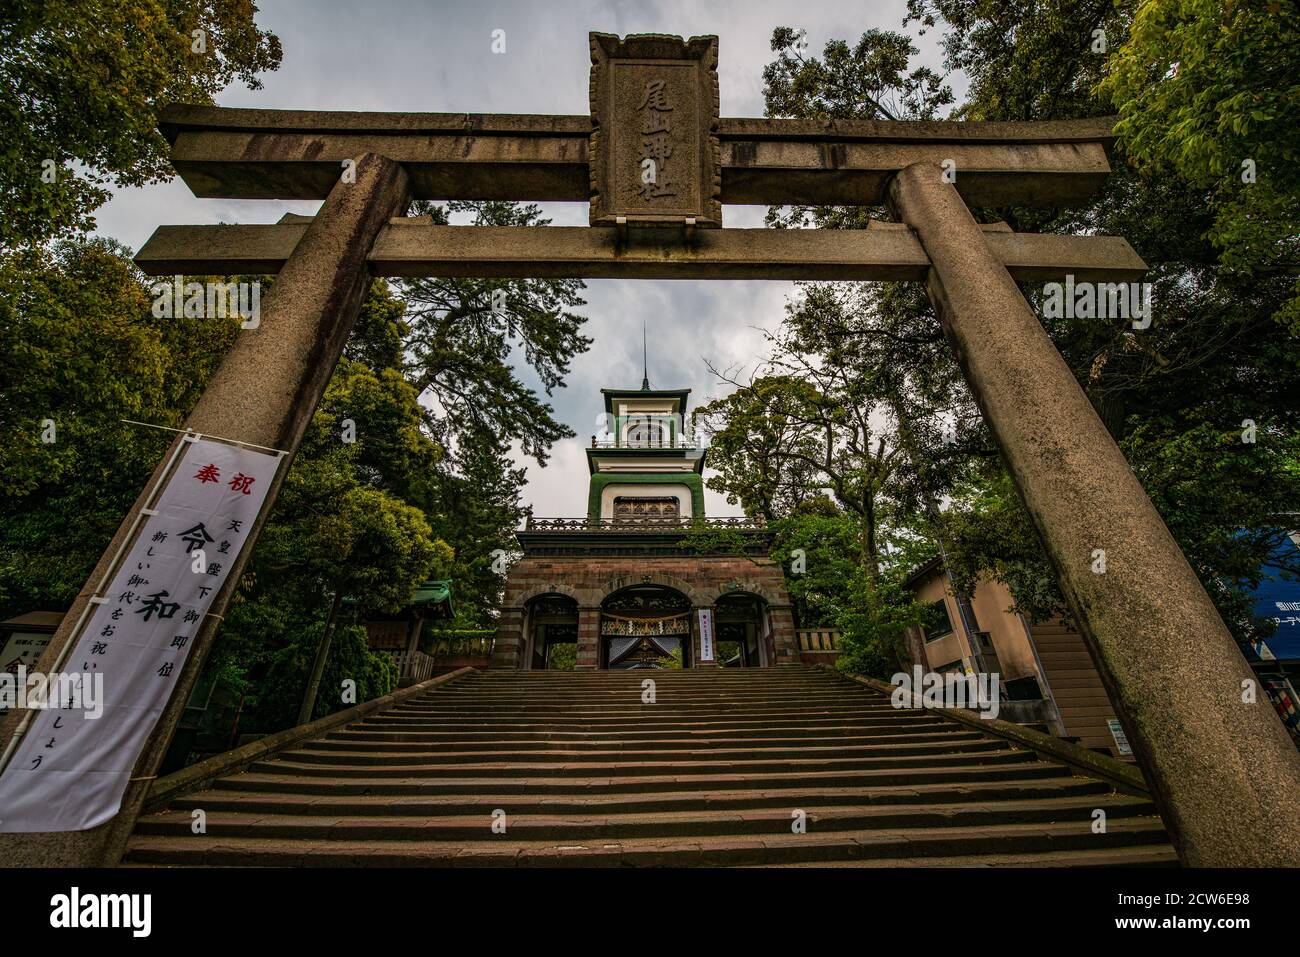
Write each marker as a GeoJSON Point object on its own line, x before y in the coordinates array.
{"type": "Point", "coordinates": [590, 580]}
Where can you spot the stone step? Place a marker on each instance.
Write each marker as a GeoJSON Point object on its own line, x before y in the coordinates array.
{"type": "Point", "coordinates": [705, 675]}
{"type": "Point", "coordinates": [662, 723]}
{"type": "Point", "coordinates": [273, 777]}
{"type": "Point", "coordinates": [636, 692]}
{"type": "Point", "coordinates": [306, 764]}
{"type": "Point", "coordinates": [467, 827]}
{"type": "Point", "coordinates": [637, 695]}
{"type": "Point", "coordinates": [792, 711]}
{"type": "Point", "coordinates": [380, 741]}
{"type": "Point", "coordinates": [1142, 855]}
{"type": "Point", "coordinates": [304, 802]}
{"type": "Point", "coordinates": [331, 753]}
{"type": "Point", "coordinates": [534, 732]}
{"type": "Point", "coordinates": [634, 706]}
{"type": "Point", "coordinates": [785, 848]}
{"type": "Point", "coordinates": [710, 774]}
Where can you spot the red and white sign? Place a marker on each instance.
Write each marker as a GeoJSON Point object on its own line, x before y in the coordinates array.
{"type": "Point", "coordinates": [706, 635]}
{"type": "Point", "coordinates": [70, 771]}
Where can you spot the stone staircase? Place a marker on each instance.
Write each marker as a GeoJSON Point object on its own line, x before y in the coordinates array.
{"type": "Point", "coordinates": [717, 772]}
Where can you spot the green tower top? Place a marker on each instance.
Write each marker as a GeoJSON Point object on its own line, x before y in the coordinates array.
{"type": "Point", "coordinates": [646, 467]}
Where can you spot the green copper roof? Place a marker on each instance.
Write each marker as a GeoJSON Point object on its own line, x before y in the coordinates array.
{"type": "Point", "coordinates": [434, 591]}
{"type": "Point", "coordinates": [679, 394]}
{"type": "Point", "coordinates": [654, 453]}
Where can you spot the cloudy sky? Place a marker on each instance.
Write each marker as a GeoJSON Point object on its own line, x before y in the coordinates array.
{"type": "Point", "coordinates": [437, 56]}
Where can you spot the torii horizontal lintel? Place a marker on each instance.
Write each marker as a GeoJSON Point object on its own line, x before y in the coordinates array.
{"type": "Point", "coordinates": [415, 247]}
{"type": "Point", "coordinates": [185, 118]}
{"type": "Point", "coordinates": [284, 154]}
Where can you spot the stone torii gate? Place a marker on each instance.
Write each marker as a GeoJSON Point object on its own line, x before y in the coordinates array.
{"type": "Point", "coordinates": [657, 164]}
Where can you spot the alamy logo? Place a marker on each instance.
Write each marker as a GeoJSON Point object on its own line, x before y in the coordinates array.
{"type": "Point", "coordinates": [1098, 300]}
{"type": "Point", "coordinates": [57, 691]}
{"type": "Point", "coordinates": [75, 909]}
{"type": "Point", "coordinates": [952, 689]}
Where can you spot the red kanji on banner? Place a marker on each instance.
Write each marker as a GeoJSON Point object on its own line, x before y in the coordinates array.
{"type": "Point", "coordinates": [242, 483]}
{"type": "Point", "coordinates": [209, 473]}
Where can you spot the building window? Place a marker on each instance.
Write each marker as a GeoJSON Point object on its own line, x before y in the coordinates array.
{"type": "Point", "coordinates": [646, 509]}
{"type": "Point", "coordinates": [648, 433]}
{"type": "Point", "coordinates": [942, 624]}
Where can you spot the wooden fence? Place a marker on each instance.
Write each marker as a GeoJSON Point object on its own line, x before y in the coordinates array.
{"type": "Point", "coordinates": [819, 639]}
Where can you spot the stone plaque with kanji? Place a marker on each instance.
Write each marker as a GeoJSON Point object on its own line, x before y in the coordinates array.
{"type": "Point", "coordinates": [655, 158]}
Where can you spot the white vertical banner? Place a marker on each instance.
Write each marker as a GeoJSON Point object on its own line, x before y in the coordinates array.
{"type": "Point", "coordinates": [706, 635]}
{"type": "Point", "coordinates": [71, 769]}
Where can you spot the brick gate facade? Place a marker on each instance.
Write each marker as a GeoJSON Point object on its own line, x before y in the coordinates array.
{"type": "Point", "coordinates": [589, 580]}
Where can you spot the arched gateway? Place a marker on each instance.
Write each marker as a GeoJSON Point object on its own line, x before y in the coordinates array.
{"type": "Point", "coordinates": [629, 584]}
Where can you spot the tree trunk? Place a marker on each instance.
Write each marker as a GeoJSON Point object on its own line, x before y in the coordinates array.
{"type": "Point", "coordinates": [318, 667]}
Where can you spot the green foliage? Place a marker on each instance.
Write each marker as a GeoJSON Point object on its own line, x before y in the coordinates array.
{"type": "Point", "coordinates": [825, 546]}
{"type": "Point", "coordinates": [85, 81]}
{"type": "Point", "coordinates": [460, 334]}
{"type": "Point", "coordinates": [456, 345]}
{"type": "Point", "coordinates": [335, 527]}
{"type": "Point", "coordinates": [563, 657]}
{"type": "Point", "coordinates": [1223, 500]}
{"type": "Point", "coordinates": [835, 589]}
{"type": "Point", "coordinates": [814, 419]}
{"type": "Point", "coordinates": [875, 622]}
{"type": "Point", "coordinates": [705, 539]}
{"type": "Point", "coordinates": [869, 80]}
{"type": "Point", "coordinates": [82, 347]}
{"type": "Point", "coordinates": [341, 525]}
{"type": "Point", "coordinates": [472, 502]}
{"type": "Point", "coordinates": [1025, 61]}
{"type": "Point", "coordinates": [760, 446]}
{"type": "Point", "coordinates": [1177, 395]}
{"type": "Point", "coordinates": [986, 530]}
{"type": "Point", "coordinates": [1204, 87]}
{"type": "Point", "coordinates": [280, 692]}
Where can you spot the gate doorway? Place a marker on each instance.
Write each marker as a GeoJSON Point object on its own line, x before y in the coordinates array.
{"type": "Point", "coordinates": [645, 627]}
{"type": "Point", "coordinates": [744, 634]}
{"type": "Point", "coordinates": [551, 626]}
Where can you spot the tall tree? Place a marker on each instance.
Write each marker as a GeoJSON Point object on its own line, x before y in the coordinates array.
{"type": "Point", "coordinates": [460, 335]}
{"type": "Point", "coordinates": [824, 417]}
{"type": "Point", "coordinates": [473, 502]}
{"type": "Point", "coordinates": [81, 351]}
{"type": "Point", "coordinates": [84, 83]}
{"type": "Point", "coordinates": [761, 445]}
{"type": "Point", "coordinates": [1207, 89]}
{"type": "Point", "coordinates": [1180, 395]}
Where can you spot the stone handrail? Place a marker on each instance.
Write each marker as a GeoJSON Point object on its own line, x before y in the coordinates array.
{"type": "Point", "coordinates": [457, 646]}
{"type": "Point", "coordinates": [676, 443]}
{"type": "Point", "coordinates": [200, 775]}
{"type": "Point", "coordinates": [738, 523]}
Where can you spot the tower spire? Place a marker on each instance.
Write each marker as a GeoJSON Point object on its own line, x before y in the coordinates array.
{"type": "Point", "coordinates": [645, 361]}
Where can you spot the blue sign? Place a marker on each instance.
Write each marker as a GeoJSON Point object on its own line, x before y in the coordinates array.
{"type": "Point", "coordinates": [1277, 598]}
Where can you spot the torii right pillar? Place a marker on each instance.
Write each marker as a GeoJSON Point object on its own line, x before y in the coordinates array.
{"type": "Point", "coordinates": [1224, 773]}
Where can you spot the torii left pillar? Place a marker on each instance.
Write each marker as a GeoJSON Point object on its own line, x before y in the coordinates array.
{"type": "Point", "coordinates": [264, 393]}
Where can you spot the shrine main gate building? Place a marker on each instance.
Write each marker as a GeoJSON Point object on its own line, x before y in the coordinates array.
{"type": "Point", "coordinates": [635, 582]}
